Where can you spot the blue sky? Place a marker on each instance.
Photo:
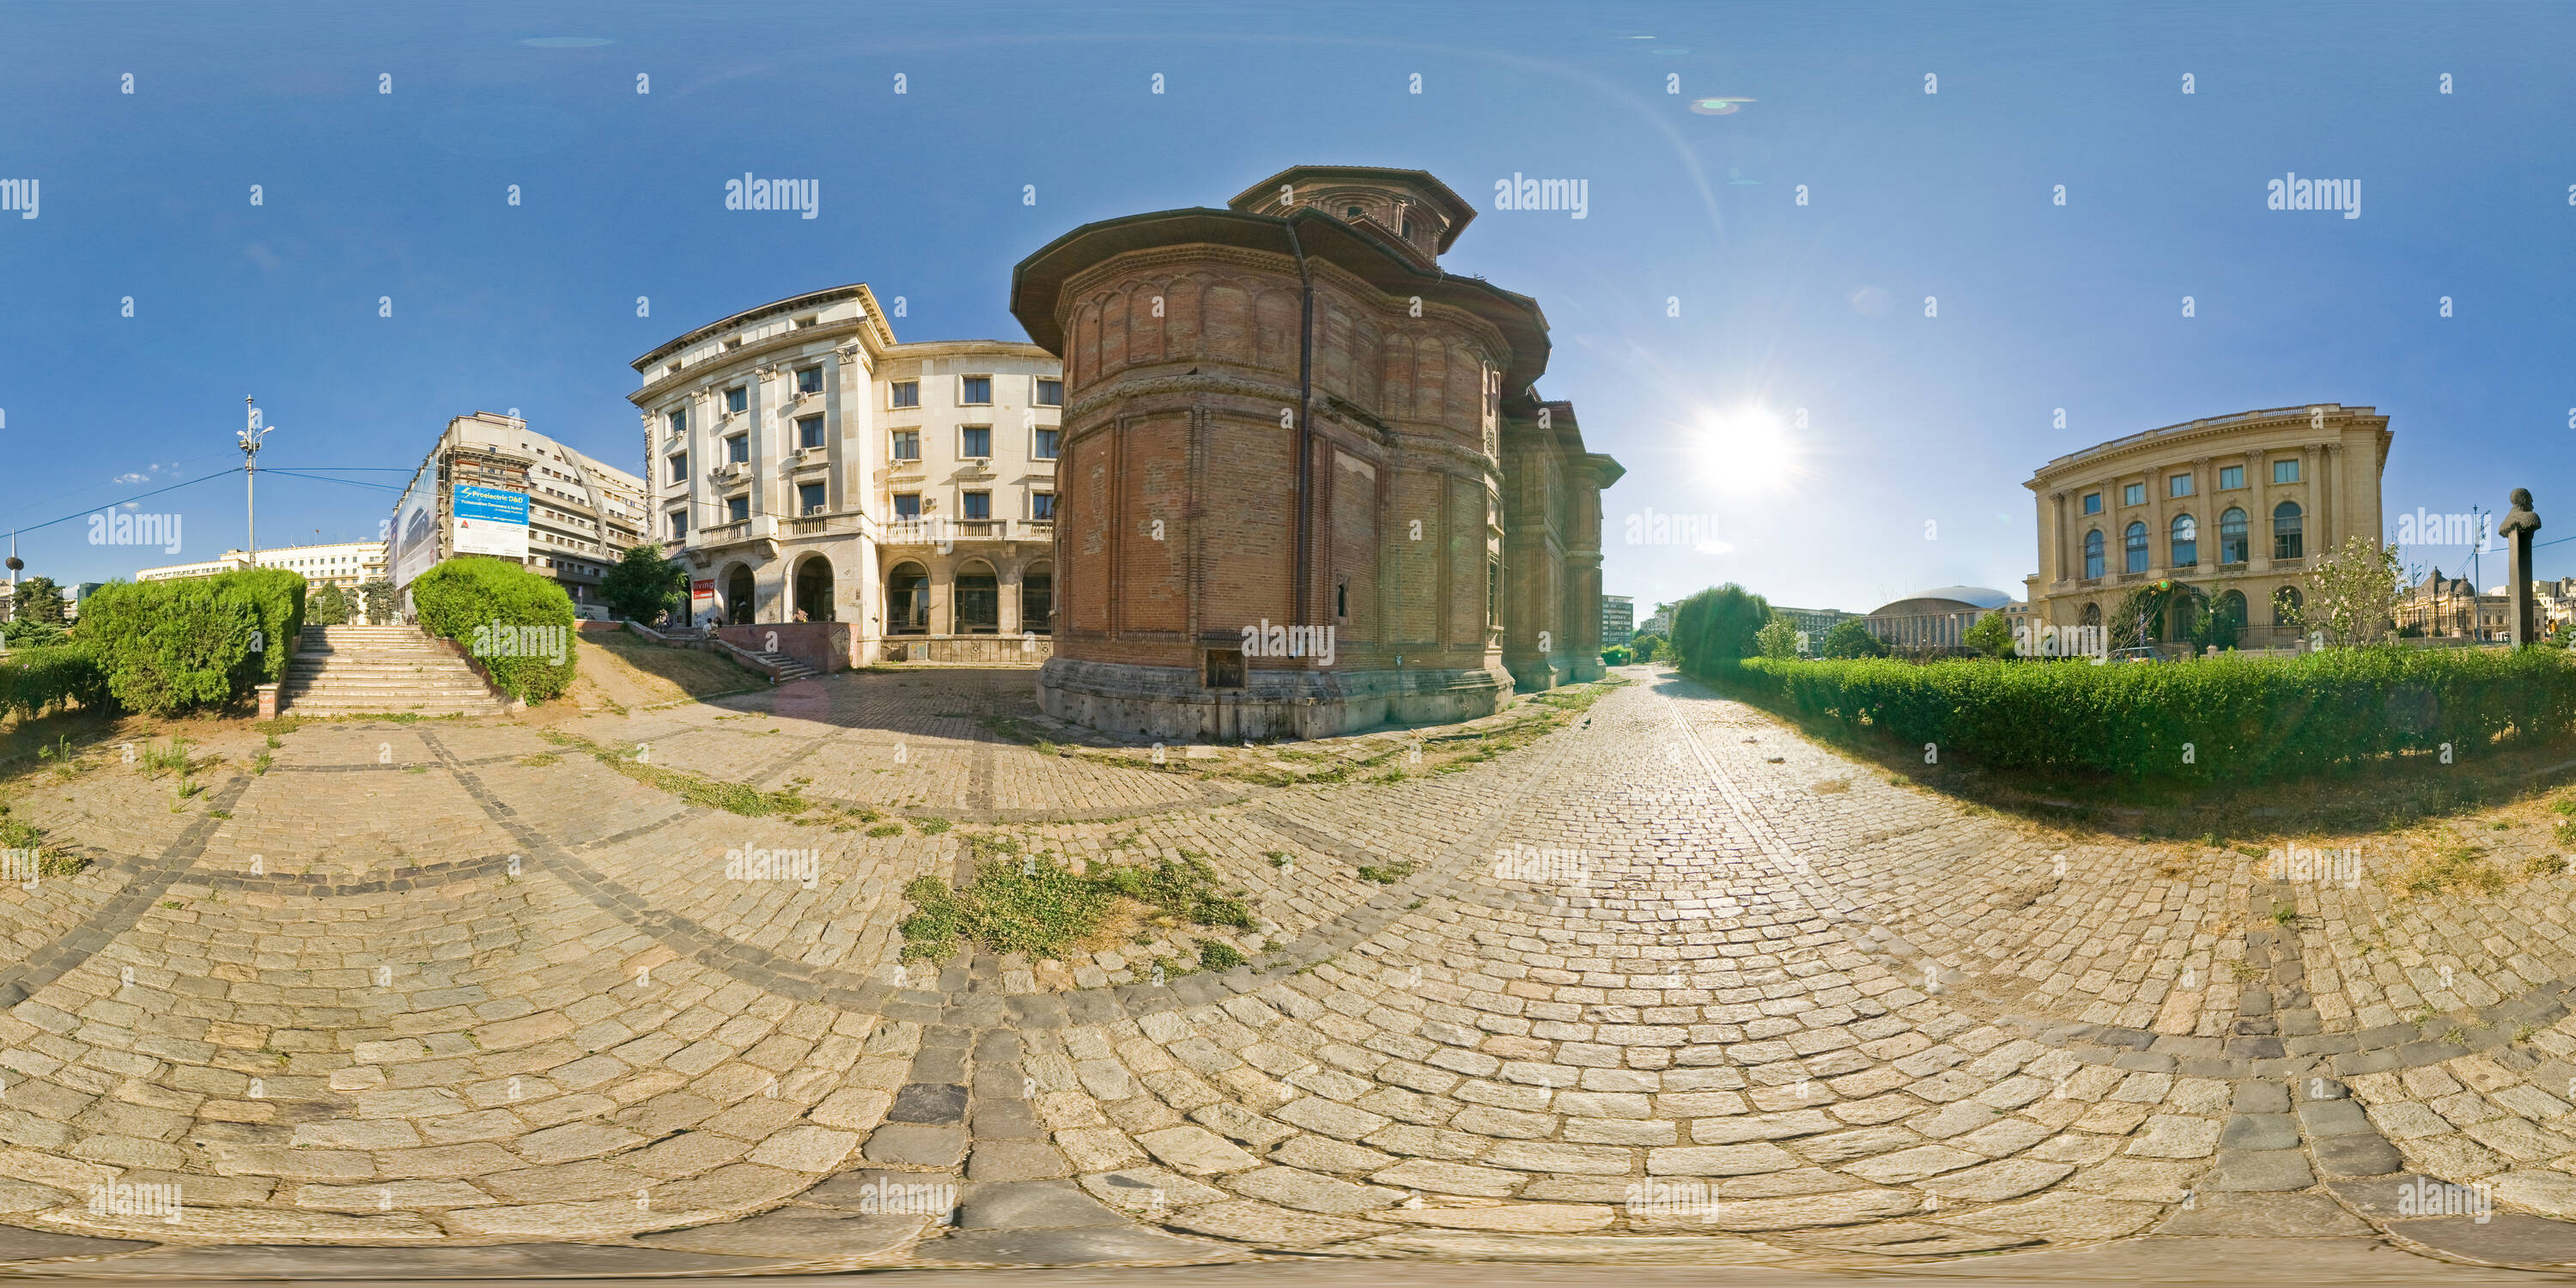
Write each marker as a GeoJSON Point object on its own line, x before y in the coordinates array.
{"type": "Point", "coordinates": [1909, 420]}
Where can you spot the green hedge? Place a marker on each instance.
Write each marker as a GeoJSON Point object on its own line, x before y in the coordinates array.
{"type": "Point", "coordinates": [488, 605]}
{"type": "Point", "coordinates": [34, 681]}
{"type": "Point", "coordinates": [172, 646]}
{"type": "Point", "coordinates": [2245, 719]}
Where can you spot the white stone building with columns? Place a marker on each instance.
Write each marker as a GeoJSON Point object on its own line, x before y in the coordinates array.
{"type": "Point", "coordinates": [800, 460]}
{"type": "Point", "coordinates": [2239, 506]}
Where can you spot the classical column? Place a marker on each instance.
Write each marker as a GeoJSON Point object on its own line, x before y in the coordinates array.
{"type": "Point", "coordinates": [2159, 557]}
{"type": "Point", "coordinates": [2057, 538]}
{"type": "Point", "coordinates": [2311, 516]}
{"type": "Point", "coordinates": [2204, 514]}
{"type": "Point", "coordinates": [2329, 505]}
{"type": "Point", "coordinates": [2258, 520]}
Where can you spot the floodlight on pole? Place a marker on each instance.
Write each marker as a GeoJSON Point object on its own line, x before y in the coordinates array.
{"type": "Point", "coordinates": [251, 434]}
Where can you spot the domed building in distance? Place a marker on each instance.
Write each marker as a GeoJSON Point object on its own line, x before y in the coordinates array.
{"type": "Point", "coordinates": [1306, 484]}
{"type": "Point", "coordinates": [1935, 620]}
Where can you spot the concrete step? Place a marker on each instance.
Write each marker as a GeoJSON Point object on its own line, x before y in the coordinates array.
{"type": "Point", "coordinates": [361, 686]}
{"type": "Point", "coordinates": [788, 668]}
{"type": "Point", "coordinates": [359, 670]}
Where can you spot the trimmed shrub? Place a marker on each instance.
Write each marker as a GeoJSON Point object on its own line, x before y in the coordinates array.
{"type": "Point", "coordinates": [277, 599]}
{"type": "Point", "coordinates": [1615, 655]}
{"type": "Point", "coordinates": [1717, 626]}
{"type": "Point", "coordinates": [35, 681]}
{"type": "Point", "coordinates": [517, 624]}
{"type": "Point", "coordinates": [171, 646]}
{"type": "Point", "coordinates": [2242, 718]}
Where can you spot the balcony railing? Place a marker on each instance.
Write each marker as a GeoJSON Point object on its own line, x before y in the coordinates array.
{"type": "Point", "coordinates": [813, 525]}
{"type": "Point", "coordinates": [936, 531]}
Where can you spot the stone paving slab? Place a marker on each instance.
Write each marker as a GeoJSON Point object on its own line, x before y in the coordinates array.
{"type": "Point", "coordinates": [1667, 979]}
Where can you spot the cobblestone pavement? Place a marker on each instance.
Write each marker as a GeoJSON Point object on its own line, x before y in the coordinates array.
{"type": "Point", "coordinates": [1669, 985]}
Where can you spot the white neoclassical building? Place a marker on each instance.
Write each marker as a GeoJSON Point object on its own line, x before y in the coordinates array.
{"type": "Point", "coordinates": [799, 460]}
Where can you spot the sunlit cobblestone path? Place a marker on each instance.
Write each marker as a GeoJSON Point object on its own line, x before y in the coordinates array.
{"type": "Point", "coordinates": [1669, 984]}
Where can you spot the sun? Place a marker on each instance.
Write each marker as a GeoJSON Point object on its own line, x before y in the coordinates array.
{"type": "Point", "coordinates": [1749, 450]}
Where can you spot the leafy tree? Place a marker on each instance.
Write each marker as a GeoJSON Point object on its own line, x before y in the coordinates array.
{"type": "Point", "coordinates": [2353, 592]}
{"type": "Point", "coordinates": [326, 607]}
{"type": "Point", "coordinates": [1717, 626]}
{"type": "Point", "coordinates": [381, 602]}
{"type": "Point", "coordinates": [27, 632]}
{"type": "Point", "coordinates": [1992, 635]}
{"type": "Point", "coordinates": [1851, 638]}
{"type": "Point", "coordinates": [1777, 638]}
{"type": "Point", "coordinates": [644, 585]}
{"type": "Point", "coordinates": [1615, 655]}
{"type": "Point", "coordinates": [1643, 647]}
{"type": "Point", "coordinates": [39, 600]}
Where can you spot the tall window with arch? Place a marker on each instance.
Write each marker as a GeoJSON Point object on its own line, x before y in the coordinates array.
{"type": "Point", "coordinates": [2093, 554]}
{"type": "Point", "coordinates": [2133, 548]}
{"type": "Point", "coordinates": [2288, 536]}
{"type": "Point", "coordinates": [2232, 545]}
{"type": "Point", "coordinates": [2185, 542]}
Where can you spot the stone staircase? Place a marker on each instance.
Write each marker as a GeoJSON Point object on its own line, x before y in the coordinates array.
{"type": "Point", "coordinates": [352, 670]}
{"type": "Point", "coordinates": [788, 668]}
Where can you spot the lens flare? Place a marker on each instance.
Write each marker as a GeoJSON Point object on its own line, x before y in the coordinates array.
{"type": "Point", "coordinates": [1749, 450]}
{"type": "Point", "coordinates": [1720, 106]}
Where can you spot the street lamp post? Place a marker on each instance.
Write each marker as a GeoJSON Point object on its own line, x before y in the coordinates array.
{"type": "Point", "coordinates": [250, 436]}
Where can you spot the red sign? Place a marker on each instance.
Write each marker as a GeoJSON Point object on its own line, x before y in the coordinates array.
{"type": "Point", "coordinates": [703, 591]}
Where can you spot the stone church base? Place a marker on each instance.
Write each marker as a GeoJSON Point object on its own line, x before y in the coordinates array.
{"type": "Point", "coordinates": [1169, 702]}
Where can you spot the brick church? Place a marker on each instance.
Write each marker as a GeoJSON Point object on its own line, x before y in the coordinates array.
{"type": "Point", "coordinates": [1306, 486]}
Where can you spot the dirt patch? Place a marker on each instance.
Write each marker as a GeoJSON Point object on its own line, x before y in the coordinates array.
{"type": "Point", "coordinates": [617, 673]}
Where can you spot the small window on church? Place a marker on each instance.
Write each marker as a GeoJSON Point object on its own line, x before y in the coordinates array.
{"type": "Point", "coordinates": [1352, 212]}
{"type": "Point", "coordinates": [1224, 668]}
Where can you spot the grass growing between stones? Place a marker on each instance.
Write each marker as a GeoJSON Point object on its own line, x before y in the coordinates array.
{"type": "Point", "coordinates": [695, 788]}
{"type": "Point", "coordinates": [2458, 867]}
{"type": "Point", "coordinates": [19, 834]}
{"type": "Point", "coordinates": [1029, 903]}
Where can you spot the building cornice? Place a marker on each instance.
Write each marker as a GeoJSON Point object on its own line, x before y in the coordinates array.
{"type": "Point", "coordinates": [2135, 451]}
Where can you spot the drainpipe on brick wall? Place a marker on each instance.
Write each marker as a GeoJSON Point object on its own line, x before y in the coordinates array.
{"type": "Point", "coordinates": [1305, 431]}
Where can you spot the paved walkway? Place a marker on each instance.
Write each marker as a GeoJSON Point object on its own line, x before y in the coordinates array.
{"type": "Point", "coordinates": [1668, 986]}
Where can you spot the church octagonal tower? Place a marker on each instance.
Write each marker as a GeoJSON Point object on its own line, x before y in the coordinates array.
{"type": "Point", "coordinates": [1294, 450]}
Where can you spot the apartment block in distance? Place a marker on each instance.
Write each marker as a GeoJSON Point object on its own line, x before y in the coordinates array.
{"type": "Point", "coordinates": [582, 513]}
